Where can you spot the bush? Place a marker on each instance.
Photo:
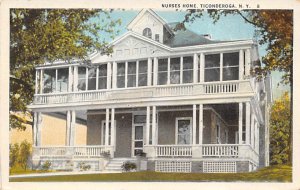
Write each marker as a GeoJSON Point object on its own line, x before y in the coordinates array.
{"type": "Point", "coordinates": [128, 166]}
{"type": "Point", "coordinates": [83, 166]}
{"type": "Point", "coordinates": [105, 154]}
{"type": "Point", "coordinates": [13, 154]}
{"type": "Point", "coordinates": [19, 154]}
{"type": "Point", "coordinates": [24, 154]}
{"type": "Point", "coordinates": [46, 166]}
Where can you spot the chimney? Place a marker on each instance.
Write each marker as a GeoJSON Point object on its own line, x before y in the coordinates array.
{"type": "Point", "coordinates": [207, 36]}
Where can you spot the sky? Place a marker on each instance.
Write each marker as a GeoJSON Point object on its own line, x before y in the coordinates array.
{"type": "Point", "coordinates": [231, 27]}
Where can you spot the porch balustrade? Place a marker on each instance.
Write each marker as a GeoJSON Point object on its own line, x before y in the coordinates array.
{"type": "Point", "coordinates": [173, 151]}
{"type": "Point", "coordinates": [146, 92]}
{"type": "Point", "coordinates": [74, 151]}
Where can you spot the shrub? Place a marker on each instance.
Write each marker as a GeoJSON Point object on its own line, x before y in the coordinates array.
{"type": "Point", "coordinates": [46, 166]}
{"type": "Point", "coordinates": [13, 154]}
{"type": "Point", "coordinates": [105, 154]}
{"type": "Point", "coordinates": [128, 166]}
{"type": "Point", "coordinates": [24, 154]}
{"type": "Point", "coordinates": [83, 166]}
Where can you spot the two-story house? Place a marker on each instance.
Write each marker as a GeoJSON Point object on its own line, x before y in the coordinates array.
{"type": "Point", "coordinates": [187, 102]}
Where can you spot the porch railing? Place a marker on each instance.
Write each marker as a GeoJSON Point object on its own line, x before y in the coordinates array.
{"type": "Point", "coordinates": [220, 150]}
{"type": "Point", "coordinates": [146, 92]}
{"type": "Point", "coordinates": [75, 151]}
{"type": "Point", "coordinates": [173, 150]}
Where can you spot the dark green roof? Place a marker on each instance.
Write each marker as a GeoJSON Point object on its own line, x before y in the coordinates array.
{"type": "Point", "coordinates": [182, 38]}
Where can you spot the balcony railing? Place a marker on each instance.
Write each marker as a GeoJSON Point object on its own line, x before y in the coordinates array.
{"type": "Point", "coordinates": [223, 87]}
{"type": "Point", "coordinates": [173, 151]}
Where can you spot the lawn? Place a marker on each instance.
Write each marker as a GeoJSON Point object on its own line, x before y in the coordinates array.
{"type": "Point", "coordinates": [281, 173]}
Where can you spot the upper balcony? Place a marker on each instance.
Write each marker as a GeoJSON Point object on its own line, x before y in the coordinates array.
{"type": "Point", "coordinates": [197, 75]}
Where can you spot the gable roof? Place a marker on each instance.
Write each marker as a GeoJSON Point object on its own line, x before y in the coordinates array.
{"type": "Point", "coordinates": [150, 11]}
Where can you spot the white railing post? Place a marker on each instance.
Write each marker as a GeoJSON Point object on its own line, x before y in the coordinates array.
{"type": "Point", "coordinates": [195, 68]}
{"type": "Point", "coordinates": [154, 125]}
{"type": "Point", "coordinates": [68, 130]}
{"type": "Point", "coordinates": [201, 72]}
{"type": "Point", "coordinates": [247, 62]}
{"type": "Point", "coordinates": [149, 72]}
{"type": "Point", "coordinates": [147, 125]}
{"type": "Point", "coordinates": [241, 65]}
{"type": "Point", "coordinates": [240, 123]}
{"type": "Point", "coordinates": [247, 123]}
{"type": "Point", "coordinates": [194, 123]}
{"type": "Point", "coordinates": [107, 127]}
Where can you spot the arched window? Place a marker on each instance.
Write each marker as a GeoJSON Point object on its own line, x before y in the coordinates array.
{"type": "Point", "coordinates": [147, 32]}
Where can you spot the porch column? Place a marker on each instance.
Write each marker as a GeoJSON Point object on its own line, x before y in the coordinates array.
{"type": "Point", "coordinates": [106, 127]}
{"type": "Point", "coordinates": [195, 68]}
{"type": "Point", "coordinates": [194, 123]}
{"type": "Point", "coordinates": [154, 125]}
{"type": "Point", "coordinates": [70, 79]}
{"type": "Point", "coordinates": [247, 123]}
{"type": "Point", "coordinates": [114, 75]}
{"type": "Point", "coordinates": [36, 81]}
{"type": "Point", "coordinates": [202, 62]}
{"type": "Point", "coordinates": [169, 68]}
{"type": "Point", "coordinates": [241, 65]}
{"type": "Point", "coordinates": [35, 125]}
{"type": "Point", "coordinates": [113, 129]}
{"type": "Point", "coordinates": [257, 137]}
{"type": "Point", "coordinates": [41, 81]}
{"type": "Point", "coordinates": [148, 125]}
{"type": "Point", "coordinates": [247, 62]}
{"type": "Point", "coordinates": [200, 124]}
{"type": "Point", "coordinates": [108, 76]}
{"type": "Point", "coordinates": [72, 128]}
{"type": "Point", "coordinates": [149, 72]}
{"type": "Point", "coordinates": [252, 130]}
{"type": "Point", "coordinates": [68, 131]}
{"type": "Point", "coordinates": [75, 78]}
{"type": "Point", "coordinates": [39, 130]}
{"type": "Point", "coordinates": [240, 123]}
{"type": "Point", "coordinates": [155, 66]}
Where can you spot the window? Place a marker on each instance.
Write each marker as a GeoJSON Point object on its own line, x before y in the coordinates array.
{"type": "Point", "coordinates": [56, 80]}
{"type": "Point", "coordinates": [121, 75]}
{"type": "Point", "coordinates": [183, 130]}
{"type": "Point", "coordinates": [175, 70]}
{"type": "Point", "coordinates": [62, 79]}
{"type": "Point", "coordinates": [102, 78]}
{"type": "Point", "coordinates": [162, 73]}
{"type": "Point", "coordinates": [131, 74]}
{"type": "Point", "coordinates": [92, 77]}
{"type": "Point", "coordinates": [187, 72]}
{"type": "Point", "coordinates": [230, 66]}
{"type": "Point", "coordinates": [157, 37]}
{"type": "Point", "coordinates": [147, 32]}
{"type": "Point", "coordinates": [142, 78]}
{"type": "Point", "coordinates": [81, 78]}
{"type": "Point", "coordinates": [212, 67]}
{"type": "Point", "coordinates": [49, 80]}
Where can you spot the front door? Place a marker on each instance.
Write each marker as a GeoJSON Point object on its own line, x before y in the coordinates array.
{"type": "Point", "coordinates": [138, 140]}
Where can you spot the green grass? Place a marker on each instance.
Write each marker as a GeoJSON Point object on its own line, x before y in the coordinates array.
{"type": "Point", "coordinates": [281, 173]}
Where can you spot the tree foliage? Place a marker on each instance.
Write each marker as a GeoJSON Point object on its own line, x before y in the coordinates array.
{"type": "Point", "coordinates": [47, 35]}
{"type": "Point", "coordinates": [280, 126]}
{"type": "Point", "coordinates": [273, 27]}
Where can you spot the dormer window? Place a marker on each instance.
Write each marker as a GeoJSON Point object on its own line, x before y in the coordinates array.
{"type": "Point", "coordinates": [147, 32]}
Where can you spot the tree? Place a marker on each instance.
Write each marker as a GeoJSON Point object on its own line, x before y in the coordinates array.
{"type": "Point", "coordinates": [280, 126]}
{"type": "Point", "coordinates": [24, 154]}
{"type": "Point", "coordinates": [40, 35]}
{"type": "Point", "coordinates": [274, 27]}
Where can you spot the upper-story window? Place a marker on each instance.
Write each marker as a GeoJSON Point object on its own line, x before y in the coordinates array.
{"type": "Point", "coordinates": [147, 32]}
{"type": "Point", "coordinates": [56, 80]}
{"type": "Point", "coordinates": [89, 77]}
{"type": "Point", "coordinates": [132, 74]}
{"type": "Point", "coordinates": [180, 69]}
{"type": "Point", "coordinates": [229, 67]}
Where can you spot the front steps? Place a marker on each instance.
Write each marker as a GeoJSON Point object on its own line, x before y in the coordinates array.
{"type": "Point", "coordinates": [115, 164]}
